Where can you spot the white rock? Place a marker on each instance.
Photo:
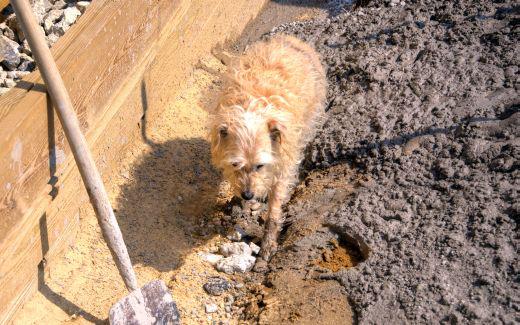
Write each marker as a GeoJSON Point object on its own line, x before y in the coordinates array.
{"type": "Point", "coordinates": [239, 248]}
{"type": "Point", "coordinates": [210, 258]}
{"type": "Point", "coordinates": [82, 5]}
{"type": "Point", "coordinates": [9, 83]}
{"type": "Point", "coordinates": [254, 247]}
{"type": "Point", "coordinates": [236, 264]}
{"type": "Point", "coordinates": [211, 308]}
{"type": "Point", "coordinates": [70, 15]}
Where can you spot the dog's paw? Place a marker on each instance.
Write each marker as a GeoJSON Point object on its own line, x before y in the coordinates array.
{"type": "Point", "coordinates": [269, 247]}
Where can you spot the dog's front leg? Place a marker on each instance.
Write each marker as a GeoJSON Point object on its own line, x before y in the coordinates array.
{"type": "Point", "coordinates": [273, 226]}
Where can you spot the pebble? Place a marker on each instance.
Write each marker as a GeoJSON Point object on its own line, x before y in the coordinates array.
{"type": "Point", "coordinates": [82, 6]}
{"type": "Point", "coordinates": [254, 248]}
{"type": "Point", "coordinates": [216, 286]}
{"type": "Point", "coordinates": [70, 15]}
{"type": "Point", "coordinates": [210, 258]}
{"type": "Point", "coordinates": [211, 308]}
{"type": "Point", "coordinates": [236, 264]}
{"type": "Point", "coordinates": [237, 248]}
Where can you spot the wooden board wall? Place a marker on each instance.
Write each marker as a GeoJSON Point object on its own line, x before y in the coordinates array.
{"type": "Point", "coordinates": [116, 51]}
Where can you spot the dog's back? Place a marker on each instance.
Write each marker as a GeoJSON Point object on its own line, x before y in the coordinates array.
{"type": "Point", "coordinates": [286, 72]}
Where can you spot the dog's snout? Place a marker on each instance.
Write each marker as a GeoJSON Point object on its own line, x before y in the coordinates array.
{"type": "Point", "coordinates": [247, 195]}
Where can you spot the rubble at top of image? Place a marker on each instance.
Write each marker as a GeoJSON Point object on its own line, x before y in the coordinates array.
{"type": "Point", "coordinates": [55, 18]}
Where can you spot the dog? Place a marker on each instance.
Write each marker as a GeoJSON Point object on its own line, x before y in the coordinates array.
{"type": "Point", "coordinates": [273, 96]}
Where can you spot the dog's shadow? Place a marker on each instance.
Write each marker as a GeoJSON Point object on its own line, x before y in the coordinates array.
{"type": "Point", "coordinates": [170, 192]}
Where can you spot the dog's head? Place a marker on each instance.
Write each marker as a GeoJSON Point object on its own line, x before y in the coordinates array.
{"type": "Point", "coordinates": [245, 146]}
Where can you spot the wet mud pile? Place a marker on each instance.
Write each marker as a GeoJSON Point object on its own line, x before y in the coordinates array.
{"type": "Point", "coordinates": [416, 164]}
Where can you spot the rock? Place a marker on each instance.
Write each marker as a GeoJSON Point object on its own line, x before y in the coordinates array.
{"type": "Point", "coordinates": [59, 29]}
{"type": "Point", "coordinates": [216, 286]}
{"type": "Point", "coordinates": [51, 39]}
{"type": "Point", "coordinates": [50, 19]}
{"type": "Point", "coordinates": [40, 7]}
{"type": "Point", "coordinates": [70, 15]}
{"type": "Point", "coordinates": [237, 234]}
{"type": "Point", "coordinates": [210, 258]}
{"type": "Point", "coordinates": [254, 248]}
{"type": "Point", "coordinates": [60, 4]}
{"type": "Point", "coordinates": [8, 32]}
{"type": "Point", "coordinates": [82, 6]}
{"type": "Point", "coordinates": [239, 248]}
{"type": "Point", "coordinates": [9, 83]}
{"type": "Point", "coordinates": [211, 308]}
{"type": "Point", "coordinates": [3, 90]}
{"type": "Point", "coordinates": [27, 63]}
{"type": "Point", "coordinates": [236, 263]}
{"type": "Point", "coordinates": [9, 55]}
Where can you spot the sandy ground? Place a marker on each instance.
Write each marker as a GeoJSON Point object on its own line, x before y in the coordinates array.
{"type": "Point", "coordinates": [407, 210]}
{"type": "Point", "coordinates": [167, 199]}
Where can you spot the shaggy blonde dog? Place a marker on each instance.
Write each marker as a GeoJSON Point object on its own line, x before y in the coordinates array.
{"type": "Point", "coordinates": [273, 95]}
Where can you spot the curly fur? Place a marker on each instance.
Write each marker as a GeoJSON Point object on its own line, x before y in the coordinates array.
{"type": "Point", "coordinates": [273, 96]}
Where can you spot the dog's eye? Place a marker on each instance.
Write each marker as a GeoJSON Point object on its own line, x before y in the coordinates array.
{"type": "Point", "coordinates": [235, 164]}
{"type": "Point", "coordinates": [258, 167]}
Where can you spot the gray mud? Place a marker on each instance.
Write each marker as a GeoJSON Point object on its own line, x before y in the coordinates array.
{"type": "Point", "coordinates": [424, 112]}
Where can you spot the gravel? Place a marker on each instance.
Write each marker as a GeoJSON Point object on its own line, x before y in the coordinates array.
{"type": "Point", "coordinates": [54, 17]}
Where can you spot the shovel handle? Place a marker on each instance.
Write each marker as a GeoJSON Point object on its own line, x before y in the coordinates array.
{"type": "Point", "coordinates": [87, 168]}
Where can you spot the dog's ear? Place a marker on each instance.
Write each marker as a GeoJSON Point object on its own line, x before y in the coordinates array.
{"type": "Point", "coordinates": [276, 130]}
{"type": "Point", "coordinates": [223, 130]}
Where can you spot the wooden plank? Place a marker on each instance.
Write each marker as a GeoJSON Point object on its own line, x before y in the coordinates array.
{"type": "Point", "coordinates": [113, 54]}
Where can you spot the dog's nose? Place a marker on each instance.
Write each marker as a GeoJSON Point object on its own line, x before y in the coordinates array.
{"type": "Point", "coordinates": [247, 195]}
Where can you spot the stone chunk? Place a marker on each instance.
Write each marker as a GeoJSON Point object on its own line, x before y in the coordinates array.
{"type": "Point", "coordinates": [236, 264]}
{"type": "Point", "coordinates": [239, 248]}
{"type": "Point", "coordinates": [70, 15]}
{"type": "Point", "coordinates": [216, 286]}
{"type": "Point", "coordinates": [82, 6]}
{"type": "Point", "coordinates": [9, 54]}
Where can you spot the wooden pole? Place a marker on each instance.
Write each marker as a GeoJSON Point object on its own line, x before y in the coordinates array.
{"type": "Point", "coordinates": [78, 144]}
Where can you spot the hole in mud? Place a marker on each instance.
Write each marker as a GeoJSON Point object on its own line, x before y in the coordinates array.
{"type": "Point", "coordinates": [344, 252]}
